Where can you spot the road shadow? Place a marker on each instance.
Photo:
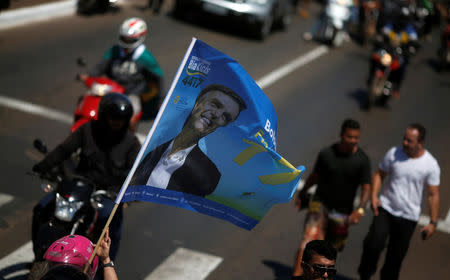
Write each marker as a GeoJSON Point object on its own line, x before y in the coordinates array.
{"type": "Point", "coordinates": [360, 97]}
{"type": "Point", "coordinates": [435, 64]}
{"type": "Point", "coordinates": [8, 272]}
{"type": "Point", "coordinates": [280, 271]}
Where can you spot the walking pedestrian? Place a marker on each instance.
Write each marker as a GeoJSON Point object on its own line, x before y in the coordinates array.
{"type": "Point", "coordinates": [410, 170]}
{"type": "Point", "coordinates": [338, 172]}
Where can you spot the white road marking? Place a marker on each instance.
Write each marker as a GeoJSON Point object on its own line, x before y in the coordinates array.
{"type": "Point", "coordinates": [42, 12]}
{"type": "Point", "coordinates": [286, 69]}
{"type": "Point", "coordinates": [43, 112]}
{"type": "Point", "coordinates": [24, 254]}
{"type": "Point", "coordinates": [5, 198]}
{"type": "Point", "coordinates": [185, 264]}
{"type": "Point", "coordinates": [35, 109]}
{"type": "Point", "coordinates": [443, 225]}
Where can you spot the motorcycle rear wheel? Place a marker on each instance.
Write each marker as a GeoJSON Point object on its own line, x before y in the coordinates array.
{"type": "Point", "coordinates": [375, 90]}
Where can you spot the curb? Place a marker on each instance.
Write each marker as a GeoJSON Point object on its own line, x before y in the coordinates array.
{"type": "Point", "coordinates": [37, 13]}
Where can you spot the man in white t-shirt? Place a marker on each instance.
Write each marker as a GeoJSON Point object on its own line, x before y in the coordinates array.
{"type": "Point", "coordinates": [409, 170]}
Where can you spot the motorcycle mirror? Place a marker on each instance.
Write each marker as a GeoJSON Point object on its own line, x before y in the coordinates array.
{"type": "Point", "coordinates": [81, 62]}
{"type": "Point", "coordinates": [40, 146]}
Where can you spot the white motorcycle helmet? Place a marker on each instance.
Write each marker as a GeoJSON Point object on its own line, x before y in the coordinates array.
{"type": "Point", "coordinates": [132, 33]}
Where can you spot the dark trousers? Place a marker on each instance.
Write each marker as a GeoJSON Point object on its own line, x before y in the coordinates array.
{"type": "Point", "coordinates": [399, 231]}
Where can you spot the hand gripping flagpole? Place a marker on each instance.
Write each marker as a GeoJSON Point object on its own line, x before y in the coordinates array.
{"type": "Point", "coordinates": [141, 152]}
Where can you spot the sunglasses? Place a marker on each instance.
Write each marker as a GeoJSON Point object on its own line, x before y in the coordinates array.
{"type": "Point", "coordinates": [320, 270]}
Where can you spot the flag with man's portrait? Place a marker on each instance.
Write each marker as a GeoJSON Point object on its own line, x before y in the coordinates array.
{"type": "Point", "coordinates": [212, 147]}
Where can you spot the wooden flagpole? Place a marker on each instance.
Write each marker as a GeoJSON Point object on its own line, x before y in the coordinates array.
{"type": "Point", "coordinates": [86, 267]}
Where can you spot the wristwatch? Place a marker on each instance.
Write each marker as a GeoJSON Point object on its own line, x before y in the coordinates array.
{"type": "Point", "coordinates": [434, 223]}
{"type": "Point", "coordinates": [361, 211]}
{"type": "Point", "coordinates": [109, 264]}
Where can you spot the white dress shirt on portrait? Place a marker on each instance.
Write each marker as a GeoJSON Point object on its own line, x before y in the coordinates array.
{"type": "Point", "coordinates": [162, 172]}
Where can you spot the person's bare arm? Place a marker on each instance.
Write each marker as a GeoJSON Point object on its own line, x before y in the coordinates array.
{"type": "Point", "coordinates": [355, 216]}
{"type": "Point", "coordinates": [377, 181]}
{"type": "Point", "coordinates": [433, 202]}
{"type": "Point", "coordinates": [365, 195]}
{"type": "Point", "coordinates": [103, 255]}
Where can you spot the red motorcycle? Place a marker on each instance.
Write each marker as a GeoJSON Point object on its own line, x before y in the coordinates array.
{"type": "Point", "coordinates": [87, 106]}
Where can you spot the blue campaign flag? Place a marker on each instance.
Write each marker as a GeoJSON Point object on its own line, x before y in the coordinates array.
{"type": "Point", "coordinates": [212, 147]}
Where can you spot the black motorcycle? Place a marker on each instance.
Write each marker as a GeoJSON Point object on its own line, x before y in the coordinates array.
{"type": "Point", "coordinates": [70, 207]}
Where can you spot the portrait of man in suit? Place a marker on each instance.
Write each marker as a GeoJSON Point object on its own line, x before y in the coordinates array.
{"type": "Point", "coordinates": [179, 164]}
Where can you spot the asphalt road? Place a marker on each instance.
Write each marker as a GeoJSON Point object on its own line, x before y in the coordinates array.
{"type": "Point", "coordinates": [38, 65]}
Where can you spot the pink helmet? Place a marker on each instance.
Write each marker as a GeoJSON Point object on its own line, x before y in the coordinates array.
{"type": "Point", "coordinates": [74, 250]}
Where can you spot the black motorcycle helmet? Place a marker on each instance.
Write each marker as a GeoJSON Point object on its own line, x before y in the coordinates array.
{"type": "Point", "coordinates": [115, 106]}
{"type": "Point", "coordinates": [114, 114]}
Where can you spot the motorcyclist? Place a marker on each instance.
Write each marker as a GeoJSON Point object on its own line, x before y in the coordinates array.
{"type": "Point", "coordinates": [132, 65]}
{"type": "Point", "coordinates": [397, 33]}
{"type": "Point", "coordinates": [398, 21]}
{"type": "Point", "coordinates": [107, 150]}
